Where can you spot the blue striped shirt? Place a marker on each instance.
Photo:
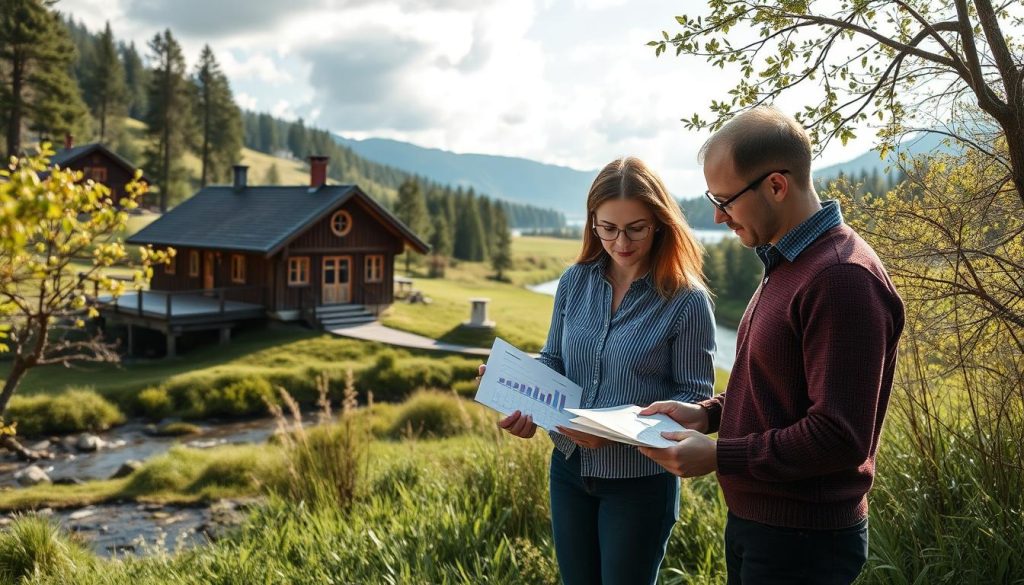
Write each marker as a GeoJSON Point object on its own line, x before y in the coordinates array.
{"type": "Point", "coordinates": [651, 349]}
{"type": "Point", "coordinates": [797, 239]}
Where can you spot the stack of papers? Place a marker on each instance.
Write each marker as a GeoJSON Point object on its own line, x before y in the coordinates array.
{"type": "Point", "coordinates": [515, 381]}
{"type": "Point", "coordinates": [625, 425]}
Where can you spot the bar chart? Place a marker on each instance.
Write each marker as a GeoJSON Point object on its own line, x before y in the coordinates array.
{"type": "Point", "coordinates": [515, 381]}
{"type": "Point", "coordinates": [554, 399]}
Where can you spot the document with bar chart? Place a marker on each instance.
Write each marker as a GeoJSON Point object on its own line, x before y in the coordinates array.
{"type": "Point", "coordinates": [515, 381]}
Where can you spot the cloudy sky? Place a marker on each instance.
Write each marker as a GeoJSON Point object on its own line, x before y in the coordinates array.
{"type": "Point", "coordinates": [567, 82]}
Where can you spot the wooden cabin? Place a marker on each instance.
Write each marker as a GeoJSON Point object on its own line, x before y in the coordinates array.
{"type": "Point", "coordinates": [99, 163]}
{"type": "Point", "coordinates": [323, 254]}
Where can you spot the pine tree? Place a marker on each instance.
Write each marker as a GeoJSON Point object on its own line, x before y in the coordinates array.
{"type": "Point", "coordinates": [411, 208]}
{"type": "Point", "coordinates": [298, 140]}
{"type": "Point", "coordinates": [470, 241]}
{"type": "Point", "coordinates": [169, 117]}
{"type": "Point", "coordinates": [501, 258]}
{"type": "Point", "coordinates": [107, 91]}
{"type": "Point", "coordinates": [441, 247]}
{"type": "Point", "coordinates": [273, 176]}
{"type": "Point", "coordinates": [268, 134]}
{"type": "Point", "coordinates": [136, 79]}
{"type": "Point", "coordinates": [38, 91]}
{"type": "Point", "coordinates": [218, 118]}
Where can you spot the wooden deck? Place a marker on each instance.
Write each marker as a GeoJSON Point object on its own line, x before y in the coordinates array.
{"type": "Point", "coordinates": [181, 309]}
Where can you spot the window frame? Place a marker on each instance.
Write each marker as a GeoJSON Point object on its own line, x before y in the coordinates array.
{"type": "Point", "coordinates": [301, 263]}
{"type": "Point", "coordinates": [193, 264]}
{"type": "Point", "coordinates": [238, 268]}
{"type": "Point", "coordinates": [368, 268]}
{"type": "Point", "coordinates": [348, 223]}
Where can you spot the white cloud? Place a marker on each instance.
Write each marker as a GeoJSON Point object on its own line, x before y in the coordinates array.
{"type": "Point", "coordinates": [569, 83]}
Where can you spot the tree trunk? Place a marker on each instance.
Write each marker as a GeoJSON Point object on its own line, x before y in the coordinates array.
{"type": "Point", "coordinates": [11, 384]}
{"type": "Point", "coordinates": [1015, 146]}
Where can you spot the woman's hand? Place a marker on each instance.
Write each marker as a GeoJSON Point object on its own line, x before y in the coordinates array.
{"type": "Point", "coordinates": [584, 439]}
{"type": "Point", "coordinates": [519, 425]}
{"type": "Point", "coordinates": [516, 423]}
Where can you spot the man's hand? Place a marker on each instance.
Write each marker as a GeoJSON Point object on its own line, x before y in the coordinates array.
{"type": "Point", "coordinates": [691, 416]}
{"type": "Point", "coordinates": [694, 455]}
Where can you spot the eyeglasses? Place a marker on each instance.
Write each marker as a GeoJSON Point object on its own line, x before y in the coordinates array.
{"type": "Point", "coordinates": [611, 233]}
{"type": "Point", "coordinates": [723, 205]}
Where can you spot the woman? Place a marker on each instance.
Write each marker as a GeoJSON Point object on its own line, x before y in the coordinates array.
{"type": "Point", "coordinates": [632, 324]}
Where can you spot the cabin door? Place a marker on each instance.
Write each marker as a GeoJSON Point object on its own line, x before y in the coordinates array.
{"type": "Point", "coordinates": [208, 270]}
{"type": "Point", "coordinates": [337, 280]}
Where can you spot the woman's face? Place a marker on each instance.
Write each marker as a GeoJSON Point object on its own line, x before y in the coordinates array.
{"type": "Point", "coordinates": [624, 219]}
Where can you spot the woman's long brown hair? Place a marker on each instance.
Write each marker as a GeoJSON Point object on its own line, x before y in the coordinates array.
{"type": "Point", "coordinates": [677, 259]}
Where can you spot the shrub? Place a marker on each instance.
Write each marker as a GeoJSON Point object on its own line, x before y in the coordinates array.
{"type": "Point", "coordinates": [154, 403]}
{"type": "Point", "coordinates": [72, 411]}
{"type": "Point", "coordinates": [434, 414]}
{"type": "Point", "coordinates": [243, 398]}
{"type": "Point", "coordinates": [34, 546]}
{"type": "Point", "coordinates": [392, 378]}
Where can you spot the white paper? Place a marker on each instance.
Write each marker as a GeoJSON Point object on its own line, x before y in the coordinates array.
{"type": "Point", "coordinates": [515, 381]}
{"type": "Point", "coordinates": [626, 423]}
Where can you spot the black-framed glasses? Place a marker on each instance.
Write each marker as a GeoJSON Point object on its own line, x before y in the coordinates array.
{"type": "Point", "coordinates": [610, 233]}
{"type": "Point", "coordinates": [722, 205]}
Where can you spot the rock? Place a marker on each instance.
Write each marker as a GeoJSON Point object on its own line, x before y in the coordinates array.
{"type": "Point", "coordinates": [160, 515]}
{"type": "Point", "coordinates": [69, 444]}
{"type": "Point", "coordinates": [31, 475]}
{"type": "Point", "coordinates": [88, 442]}
{"type": "Point", "coordinates": [45, 512]}
{"type": "Point", "coordinates": [116, 444]}
{"type": "Point", "coordinates": [6, 521]}
{"type": "Point", "coordinates": [83, 513]}
{"type": "Point", "coordinates": [68, 481]}
{"type": "Point", "coordinates": [40, 446]}
{"type": "Point", "coordinates": [127, 468]}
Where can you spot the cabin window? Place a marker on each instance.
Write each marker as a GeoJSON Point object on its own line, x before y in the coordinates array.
{"type": "Point", "coordinates": [97, 174]}
{"type": "Point", "coordinates": [193, 263]}
{"type": "Point", "coordinates": [341, 223]}
{"type": "Point", "coordinates": [171, 266]}
{"type": "Point", "coordinates": [238, 268]}
{"type": "Point", "coordinates": [298, 271]}
{"type": "Point", "coordinates": [374, 269]}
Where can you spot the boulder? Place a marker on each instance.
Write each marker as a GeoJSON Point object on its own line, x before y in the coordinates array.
{"type": "Point", "coordinates": [88, 443]}
{"type": "Point", "coordinates": [127, 468]}
{"type": "Point", "coordinates": [31, 475]}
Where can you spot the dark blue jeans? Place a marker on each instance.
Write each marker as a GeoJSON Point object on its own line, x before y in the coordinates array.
{"type": "Point", "coordinates": [757, 554]}
{"type": "Point", "coordinates": [610, 531]}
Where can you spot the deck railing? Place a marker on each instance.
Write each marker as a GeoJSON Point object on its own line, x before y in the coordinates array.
{"type": "Point", "coordinates": [244, 294]}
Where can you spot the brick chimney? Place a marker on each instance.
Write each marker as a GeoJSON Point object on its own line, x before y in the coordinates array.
{"type": "Point", "coordinates": [240, 175]}
{"type": "Point", "coordinates": [317, 171]}
{"type": "Point", "coordinates": [69, 141]}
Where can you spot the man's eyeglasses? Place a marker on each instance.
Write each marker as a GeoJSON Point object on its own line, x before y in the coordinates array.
{"type": "Point", "coordinates": [610, 233]}
{"type": "Point", "coordinates": [723, 205]}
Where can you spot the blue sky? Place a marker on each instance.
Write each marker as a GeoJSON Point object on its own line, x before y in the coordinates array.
{"type": "Point", "coordinates": [567, 82]}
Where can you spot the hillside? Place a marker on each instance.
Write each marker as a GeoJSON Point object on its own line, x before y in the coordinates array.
{"type": "Point", "coordinates": [513, 179]}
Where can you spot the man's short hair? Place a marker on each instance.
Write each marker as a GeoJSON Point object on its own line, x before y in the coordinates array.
{"type": "Point", "coordinates": [763, 139]}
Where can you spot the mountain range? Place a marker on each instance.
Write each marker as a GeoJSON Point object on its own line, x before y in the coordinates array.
{"type": "Point", "coordinates": [551, 186]}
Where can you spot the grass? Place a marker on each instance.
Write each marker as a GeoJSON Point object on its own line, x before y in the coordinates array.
{"type": "Point", "coordinates": [469, 508]}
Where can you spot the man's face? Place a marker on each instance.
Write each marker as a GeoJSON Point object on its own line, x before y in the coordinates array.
{"type": "Point", "coordinates": [751, 216]}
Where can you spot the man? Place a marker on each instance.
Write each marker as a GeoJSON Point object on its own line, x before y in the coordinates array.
{"type": "Point", "coordinates": [799, 423]}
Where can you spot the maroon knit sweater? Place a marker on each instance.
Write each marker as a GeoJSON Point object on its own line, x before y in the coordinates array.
{"type": "Point", "coordinates": [798, 425]}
